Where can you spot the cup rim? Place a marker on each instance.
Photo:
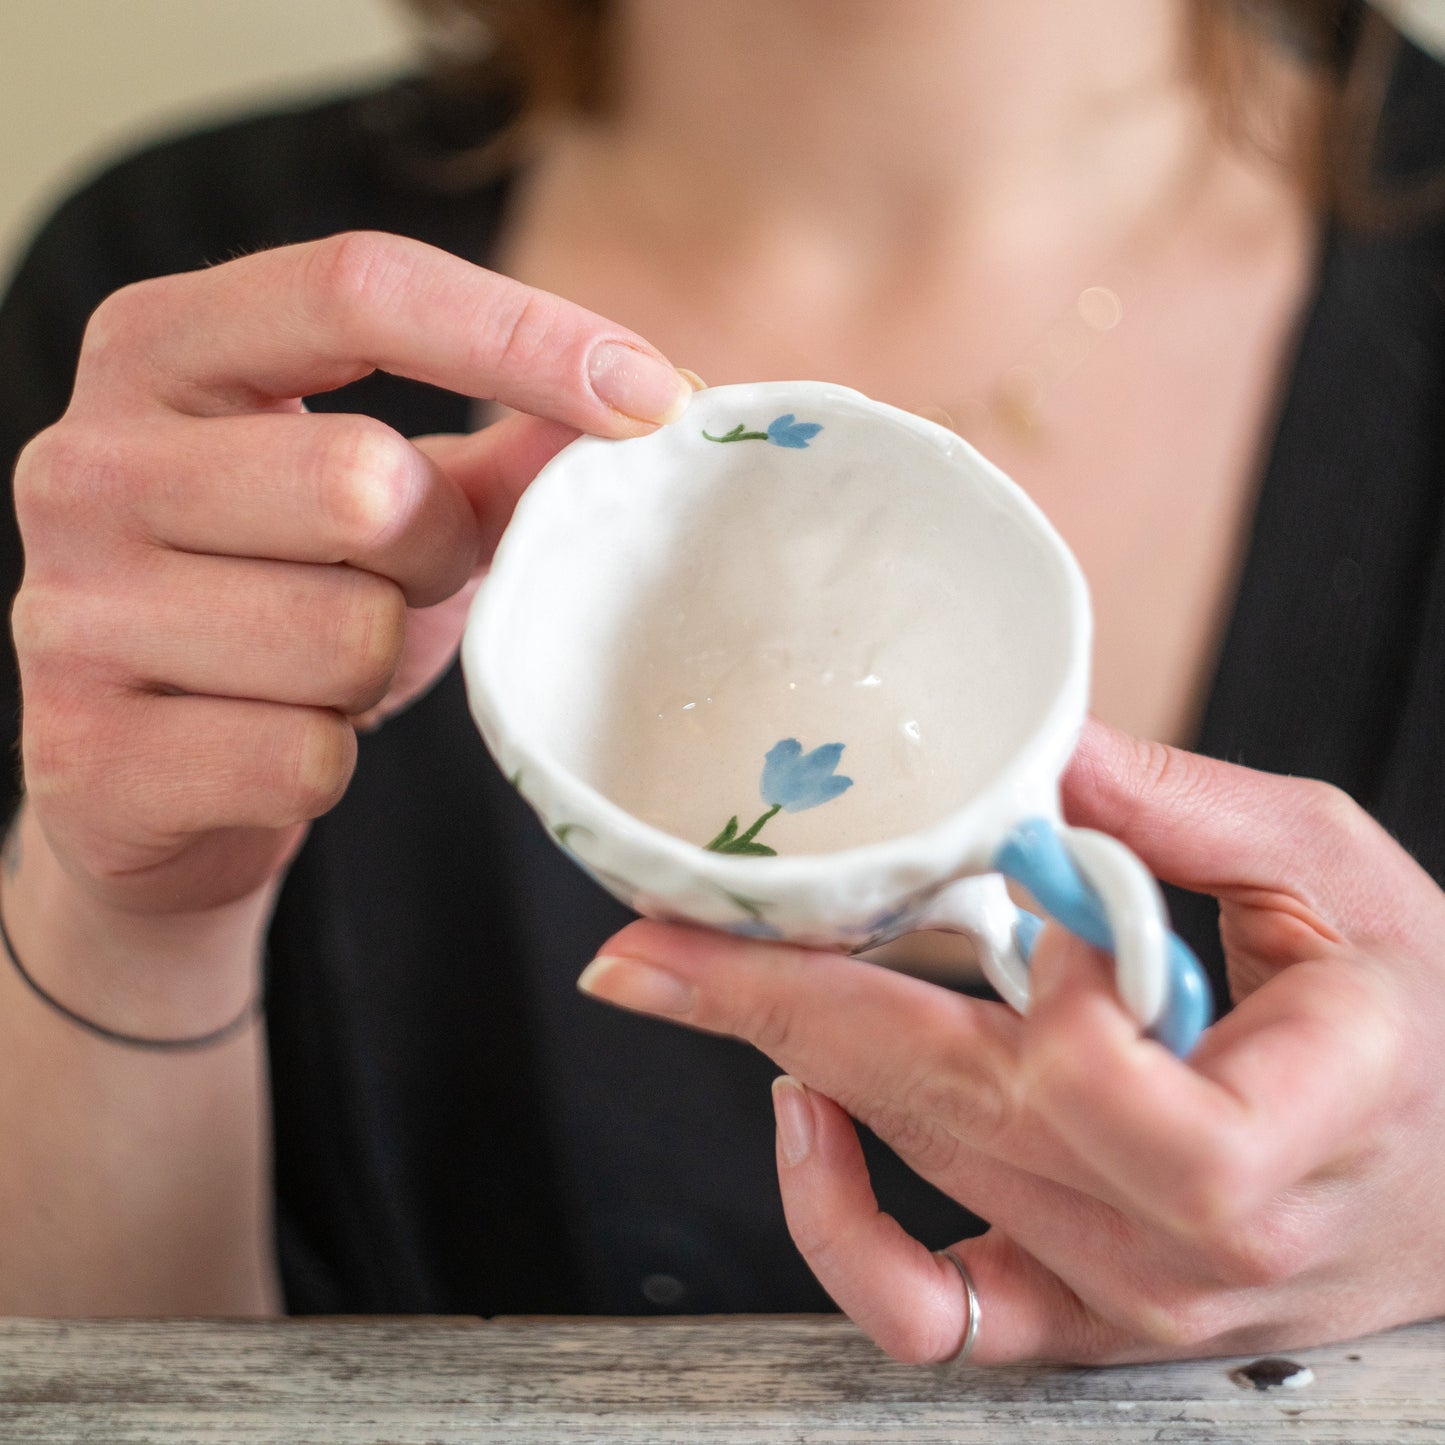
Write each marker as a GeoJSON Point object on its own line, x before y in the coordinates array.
{"type": "Point", "coordinates": [966, 835]}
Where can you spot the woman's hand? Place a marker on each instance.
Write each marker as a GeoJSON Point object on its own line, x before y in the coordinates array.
{"type": "Point", "coordinates": [218, 588]}
{"type": "Point", "coordinates": [219, 584]}
{"type": "Point", "coordinates": [1281, 1187]}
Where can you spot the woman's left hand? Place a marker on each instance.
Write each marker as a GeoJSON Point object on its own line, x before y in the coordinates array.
{"type": "Point", "coordinates": [1282, 1187]}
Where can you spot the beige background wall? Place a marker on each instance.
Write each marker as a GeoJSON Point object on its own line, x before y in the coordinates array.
{"type": "Point", "coordinates": [1425, 18]}
{"type": "Point", "coordinates": [79, 77]}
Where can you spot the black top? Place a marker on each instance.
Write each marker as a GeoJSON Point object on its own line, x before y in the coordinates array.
{"type": "Point", "coordinates": [456, 1129]}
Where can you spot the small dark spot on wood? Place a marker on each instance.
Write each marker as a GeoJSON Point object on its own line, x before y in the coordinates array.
{"type": "Point", "coordinates": [1268, 1374]}
{"type": "Point", "coordinates": [1355, 1358]}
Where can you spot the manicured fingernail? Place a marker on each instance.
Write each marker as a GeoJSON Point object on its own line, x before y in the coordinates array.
{"type": "Point", "coordinates": [630, 984]}
{"type": "Point", "coordinates": [637, 384]}
{"type": "Point", "coordinates": [794, 1113]}
{"type": "Point", "coordinates": [692, 379]}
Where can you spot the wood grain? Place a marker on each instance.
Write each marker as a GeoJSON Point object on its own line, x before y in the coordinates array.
{"type": "Point", "coordinates": [740, 1380]}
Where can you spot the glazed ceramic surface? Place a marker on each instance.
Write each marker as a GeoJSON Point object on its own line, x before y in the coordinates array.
{"type": "Point", "coordinates": [791, 667]}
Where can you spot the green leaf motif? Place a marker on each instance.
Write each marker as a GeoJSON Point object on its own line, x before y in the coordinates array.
{"type": "Point", "coordinates": [755, 908]}
{"type": "Point", "coordinates": [756, 924]}
{"type": "Point", "coordinates": [731, 841]}
{"type": "Point", "coordinates": [738, 434]}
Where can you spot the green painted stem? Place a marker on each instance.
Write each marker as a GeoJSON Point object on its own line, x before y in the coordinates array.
{"type": "Point", "coordinates": [731, 841]}
{"type": "Point", "coordinates": [753, 831]}
{"type": "Point", "coordinates": [737, 434]}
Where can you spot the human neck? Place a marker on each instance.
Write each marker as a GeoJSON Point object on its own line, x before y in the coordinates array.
{"type": "Point", "coordinates": [853, 111]}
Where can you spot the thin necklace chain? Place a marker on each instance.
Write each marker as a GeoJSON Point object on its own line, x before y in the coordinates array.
{"type": "Point", "coordinates": [1016, 404]}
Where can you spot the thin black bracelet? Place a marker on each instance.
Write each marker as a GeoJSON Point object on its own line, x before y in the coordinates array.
{"type": "Point", "coordinates": [252, 1010]}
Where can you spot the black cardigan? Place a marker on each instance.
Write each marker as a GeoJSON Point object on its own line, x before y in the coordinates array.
{"type": "Point", "coordinates": [456, 1129]}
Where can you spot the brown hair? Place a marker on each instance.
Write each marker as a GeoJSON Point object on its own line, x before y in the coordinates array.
{"type": "Point", "coordinates": [1345, 151]}
{"type": "Point", "coordinates": [541, 58]}
{"type": "Point", "coordinates": [550, 53]}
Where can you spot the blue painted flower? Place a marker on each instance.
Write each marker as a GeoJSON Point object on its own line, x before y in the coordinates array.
{"type": "Point", "coordinates": [754, 928]}
{"type": "Point", "coordinates": [893, 921]}
{"type": "Point", "coordinates": [783, 431]}
{"type": "Point", "coordinates": [787, 431]}
{"type": "Point", "coordinates": [794, 780]}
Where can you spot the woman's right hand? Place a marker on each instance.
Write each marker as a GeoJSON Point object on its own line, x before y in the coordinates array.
{"type": "Point", "coordinates": [219, 586]}
{"type": "Point", "coordinates": [218, 583]}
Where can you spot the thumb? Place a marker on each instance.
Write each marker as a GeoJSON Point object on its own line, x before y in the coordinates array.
{"type": "Point", "coordinates": [495, 465]}
{"type": "Point", "coordinates": [1293, 845]}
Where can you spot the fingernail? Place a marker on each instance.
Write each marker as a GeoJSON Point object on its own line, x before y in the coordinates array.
{"type": "Point", "coordinates": [794, 1113]}
{"type": "Point", "coordinates": [692, 379]}
{"type": "Point", "coordinates": [631, 984]}
{"type": "Point", "coordinates": [637, 384]}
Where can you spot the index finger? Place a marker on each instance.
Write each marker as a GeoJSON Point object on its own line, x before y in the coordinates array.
{"type": "Point", "coordinates": [304, 319]}
{"type": "Point", "coordinates": [891, 1049]}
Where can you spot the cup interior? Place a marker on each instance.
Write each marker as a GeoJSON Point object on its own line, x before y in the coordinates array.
{"type": "Point", "coordinates": [706, 629]}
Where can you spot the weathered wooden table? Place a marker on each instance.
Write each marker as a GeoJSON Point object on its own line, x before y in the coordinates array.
{"type": "Point", "coordinates": [439, 1381]}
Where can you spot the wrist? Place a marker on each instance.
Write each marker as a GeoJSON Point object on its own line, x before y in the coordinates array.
{"type": "Point", "coordinates": [118, 973]}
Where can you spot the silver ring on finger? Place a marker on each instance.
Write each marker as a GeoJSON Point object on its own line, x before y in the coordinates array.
{"type": "Point", "coordinates": [970, 1296]}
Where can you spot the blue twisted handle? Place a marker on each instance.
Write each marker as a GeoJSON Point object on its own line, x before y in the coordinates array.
{"type": "Point", "coordinates": [1034, 856]}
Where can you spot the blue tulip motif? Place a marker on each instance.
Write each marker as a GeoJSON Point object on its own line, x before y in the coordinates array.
{"type": "Point", "coordinates": [792, 781]}
{"type": "Point", "coordinates": [783, 431]}
{"type": "Point", "coordinates": [757, 929]}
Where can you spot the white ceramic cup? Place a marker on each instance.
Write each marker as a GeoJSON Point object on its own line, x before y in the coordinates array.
{"type": "Point", "coordinates": [801, 665]}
